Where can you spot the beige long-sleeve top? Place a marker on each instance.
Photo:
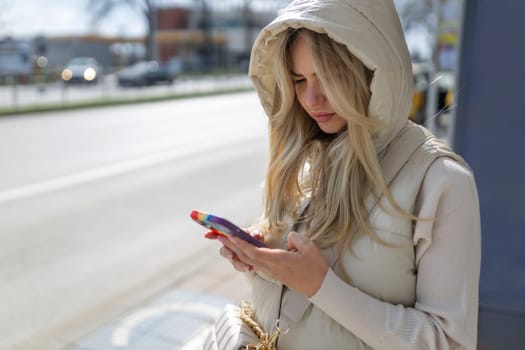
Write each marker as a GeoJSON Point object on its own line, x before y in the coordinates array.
{"type": "Point", "coordinates": [447, 260]}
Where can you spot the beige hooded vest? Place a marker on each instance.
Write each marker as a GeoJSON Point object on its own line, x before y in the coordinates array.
{"type": "Point", "coordinates": [385, 273]}
{"type": "Point", "coordinates": [371, 30]}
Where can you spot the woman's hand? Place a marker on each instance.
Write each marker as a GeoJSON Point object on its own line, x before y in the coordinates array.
{"type": "Point", "coordinates": [228, 253]}
{"type": "Point", "coordinates": [301, 267]}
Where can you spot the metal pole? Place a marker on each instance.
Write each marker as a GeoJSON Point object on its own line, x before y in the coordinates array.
{"type": "Point", "coordinates": [457, 89]}
{"type": "Point", "coordinates": [154, 23]}
{"type": "Point", "coordinates": [14, 84]}
{"type": "Point", "coordinates": [432, 91]}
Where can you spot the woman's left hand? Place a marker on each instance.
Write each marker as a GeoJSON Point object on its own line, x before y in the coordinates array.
{"type": "Point", "coordinates": [301, 267]}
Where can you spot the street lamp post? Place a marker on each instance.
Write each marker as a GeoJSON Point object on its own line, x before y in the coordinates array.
{"type": "Point", "coordinates": [431, 105]}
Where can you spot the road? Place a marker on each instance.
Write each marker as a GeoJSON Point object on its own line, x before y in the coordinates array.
{"type": "Point", "coordinates": [94, 206]}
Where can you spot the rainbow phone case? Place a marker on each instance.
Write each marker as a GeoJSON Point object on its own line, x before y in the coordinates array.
{"type": "Point", "coordinates": [224, 227]}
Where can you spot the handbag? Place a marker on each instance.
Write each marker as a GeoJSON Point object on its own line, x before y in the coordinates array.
{"type": "Point", "coordinates": [237, 329]}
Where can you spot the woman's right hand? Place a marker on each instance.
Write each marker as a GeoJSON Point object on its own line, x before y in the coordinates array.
{"type": "Point", "coordinates": [228, 253]}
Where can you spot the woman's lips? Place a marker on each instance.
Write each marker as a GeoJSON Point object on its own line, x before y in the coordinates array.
{"type": "Point", "coordinates": [322, 117]}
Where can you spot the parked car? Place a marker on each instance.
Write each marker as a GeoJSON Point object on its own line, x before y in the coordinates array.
{"type": "Point", "coordinates": [444, 82]}
{"type": "Point", "coordinates": [421, 80]}
{"type": "Point", "coordinates": [15, 61]}
{"type": "Point", "coordinates": [145, 73]}
{"type": "Point", "coordinates": [81, 70]}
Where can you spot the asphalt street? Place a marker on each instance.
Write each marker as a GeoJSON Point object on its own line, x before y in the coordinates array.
{"type": "Point", "coordinates": [94, 209]}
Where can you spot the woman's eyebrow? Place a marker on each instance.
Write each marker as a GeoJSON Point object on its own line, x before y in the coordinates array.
{"type": "Point", "coordinates": [296, 75]}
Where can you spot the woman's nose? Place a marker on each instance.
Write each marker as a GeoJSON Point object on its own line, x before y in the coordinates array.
{"type": "Point", "coordinates": [315, 94]}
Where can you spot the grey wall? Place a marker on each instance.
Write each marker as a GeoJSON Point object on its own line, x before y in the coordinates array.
{"type": "Point", "coordinates": [60, 52]}
{"type": "Point", "coordinates": [490, 134]}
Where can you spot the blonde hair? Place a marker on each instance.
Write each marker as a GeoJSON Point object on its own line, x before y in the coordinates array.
{"type": "Point", "coordinates": [334, 172]}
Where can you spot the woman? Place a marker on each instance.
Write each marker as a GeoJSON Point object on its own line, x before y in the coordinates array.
{"type": "Point", "coordinates": [372, 223]}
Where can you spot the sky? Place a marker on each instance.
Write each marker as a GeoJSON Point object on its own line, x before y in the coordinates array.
{"type": "Point", "coordinates": [27, 18]}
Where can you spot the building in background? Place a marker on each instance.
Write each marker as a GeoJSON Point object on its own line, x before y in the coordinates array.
{"type": "Point", "coordinates": [15, 60]}
{"type": "Point", "coordinates": [447, 41]}
{"type": "Point", "coordinates": [198, 37]}
{"type": "Point", "coordinates": [180, 37]}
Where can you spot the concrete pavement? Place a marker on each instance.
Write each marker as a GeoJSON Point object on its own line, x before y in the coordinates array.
{"type": "Point", "coordinates": [175, 319]}
{"type": "Point", "coordinates": [179, 317]}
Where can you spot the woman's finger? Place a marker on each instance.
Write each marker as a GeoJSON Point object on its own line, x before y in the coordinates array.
{"type": "Point", "coordinates": [255, 232]}
{"type": "Point", "coordinates": [234, 260]}
{"type": "Point", "coordinates": [227, 242]}
{"type": "Point", "coordinates": [212, 234]}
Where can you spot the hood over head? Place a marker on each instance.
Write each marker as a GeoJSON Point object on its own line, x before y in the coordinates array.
{"type": "Point", "coordinates": [371, 30]}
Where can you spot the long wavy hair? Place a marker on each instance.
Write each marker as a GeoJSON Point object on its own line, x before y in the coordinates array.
{"type": "Point", "coordinates": [335, 173]}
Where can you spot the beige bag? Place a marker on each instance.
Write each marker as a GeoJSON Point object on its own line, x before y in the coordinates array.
{"type": "Point", "coordinates": [236, 329]}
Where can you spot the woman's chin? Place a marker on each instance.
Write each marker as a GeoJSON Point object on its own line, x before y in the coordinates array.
{"type": "Point", "coordinates": [330, 128]}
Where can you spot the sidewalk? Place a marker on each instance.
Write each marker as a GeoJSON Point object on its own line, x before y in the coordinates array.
{"type": "Point", "coordinates": [59, 96]}
{"type": "Point", "coordinates": [178, 319]}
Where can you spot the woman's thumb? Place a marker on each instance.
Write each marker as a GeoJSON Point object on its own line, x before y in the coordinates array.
{"type": "Point", "coordinates": [296, 241]}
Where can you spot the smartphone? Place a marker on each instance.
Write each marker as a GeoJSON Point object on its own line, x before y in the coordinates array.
{"type": "Point", "coordinates": [223, 227]}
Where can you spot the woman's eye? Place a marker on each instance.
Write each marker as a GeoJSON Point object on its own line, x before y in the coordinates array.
{"type": "Point", "coordinates": [299, 81]}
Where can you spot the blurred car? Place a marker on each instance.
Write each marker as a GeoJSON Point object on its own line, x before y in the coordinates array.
{"type": "Point", "coordinates": [15, 61]}
{"type": "Point", "coordinates": [81, 70]}
{"type": "Point", "coordinates": [444, 82]}
{"type": "Point", "coordinates": [145, 73]}
{"type": "Point", "coordinates": [421, 81]}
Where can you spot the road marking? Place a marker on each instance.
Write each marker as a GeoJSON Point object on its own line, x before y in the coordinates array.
{"type": "Point", "coordinates": [121, 335]}
{"type": "Point", "coordinates": [102, 172]}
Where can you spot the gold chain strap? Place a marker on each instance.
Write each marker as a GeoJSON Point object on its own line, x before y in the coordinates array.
{"type": "Point", "coordinates": [267, 341]}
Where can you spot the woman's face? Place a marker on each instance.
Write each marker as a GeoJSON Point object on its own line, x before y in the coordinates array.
{"type": "Point", "coordinates": [309, 91]}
